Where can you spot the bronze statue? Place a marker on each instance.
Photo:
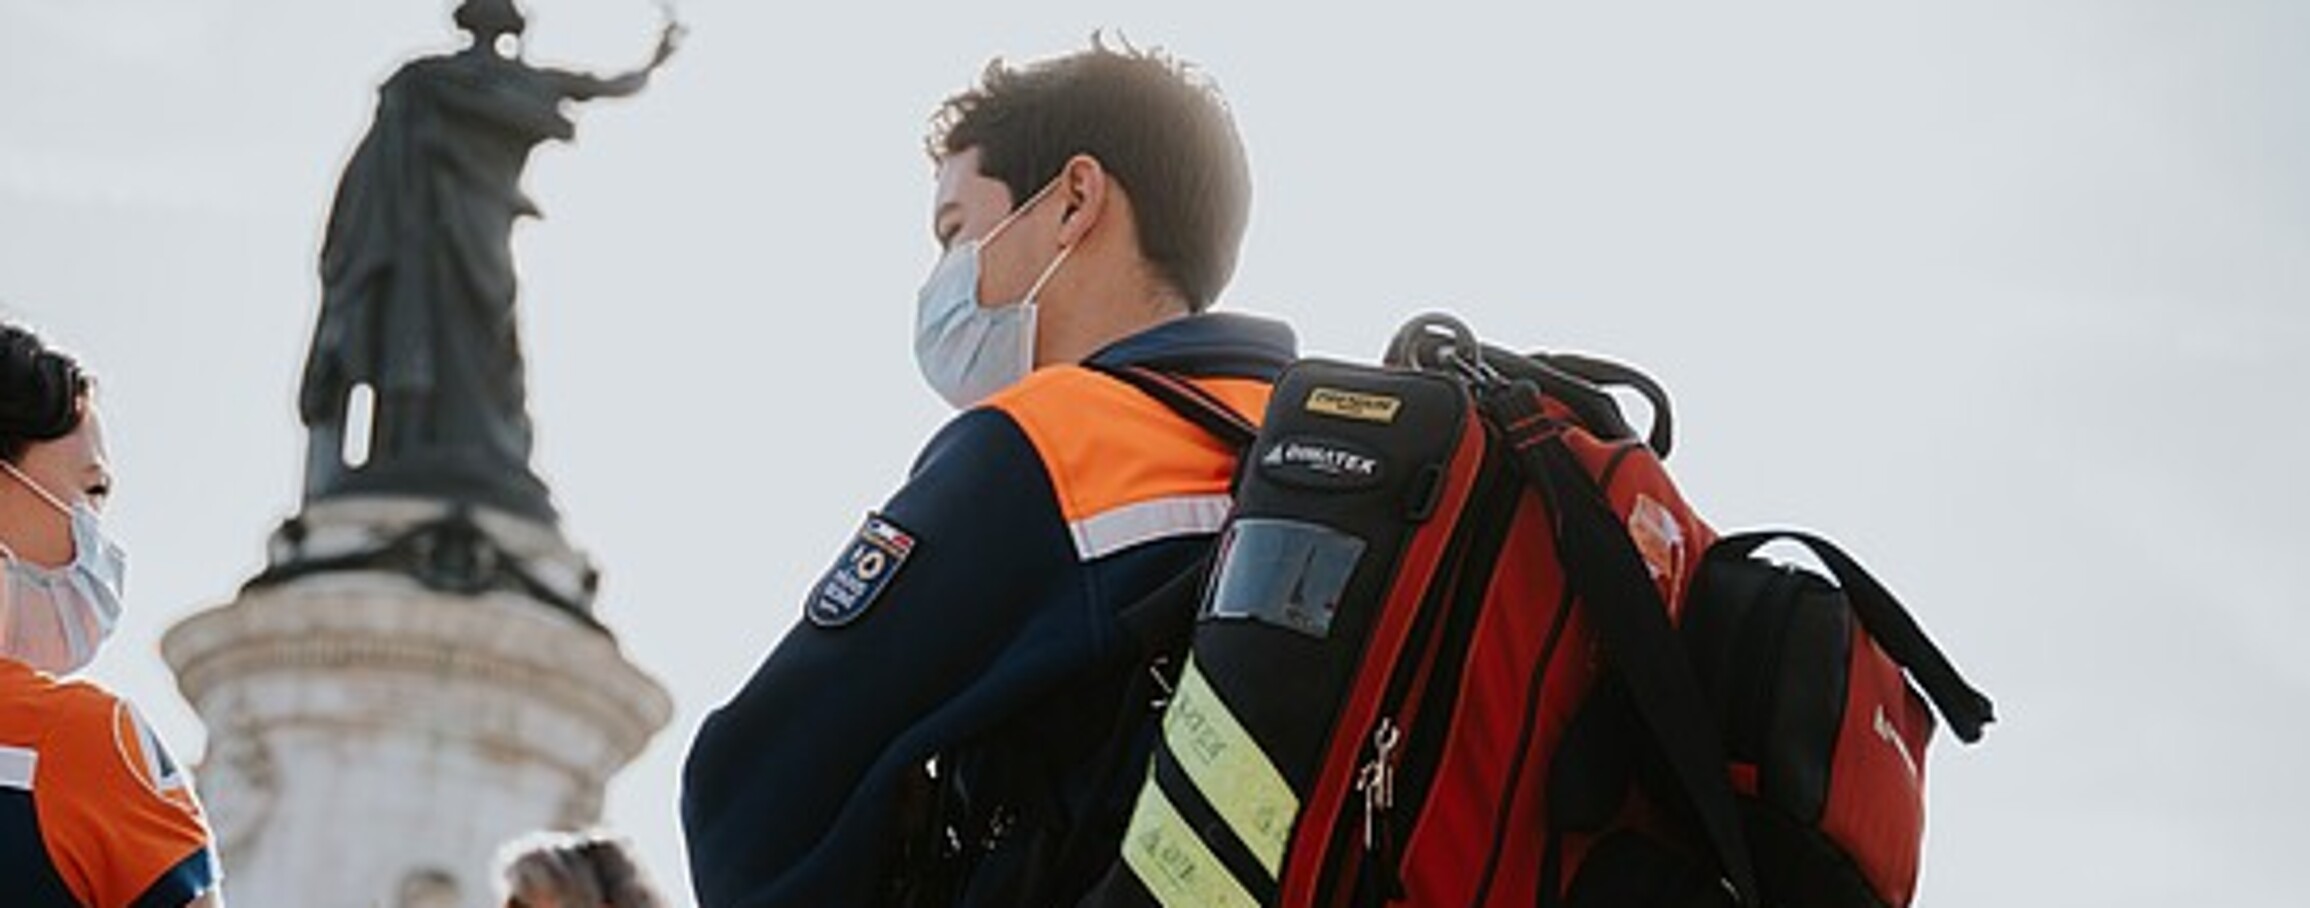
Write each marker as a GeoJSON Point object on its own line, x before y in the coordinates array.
{"type": "Point", "coordinates": [417, 276]}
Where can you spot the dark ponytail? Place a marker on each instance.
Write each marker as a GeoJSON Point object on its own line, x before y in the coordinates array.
{"type": "Point", "coordinates": [43, 393]}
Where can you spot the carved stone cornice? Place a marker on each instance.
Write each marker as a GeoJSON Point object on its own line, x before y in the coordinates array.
{"type": "Point", "coordinates": [351, 624]}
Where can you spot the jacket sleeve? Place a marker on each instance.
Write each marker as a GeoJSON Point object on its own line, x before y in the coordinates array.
{"type": "Point", "coordinates": [128, 830]}
{"type": "Point", "coordinates": [791, 790]}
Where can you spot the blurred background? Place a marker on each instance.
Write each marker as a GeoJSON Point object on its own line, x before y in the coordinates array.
{"type": "Point", "coordinates": [2009, 297]}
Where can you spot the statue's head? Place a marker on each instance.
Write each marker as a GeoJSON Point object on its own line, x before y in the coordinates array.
{"type": "Point", "coordinates": [488, 19]}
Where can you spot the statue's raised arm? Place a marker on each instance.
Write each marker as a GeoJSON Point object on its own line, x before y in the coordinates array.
{"type": "Point", "coordinates": [586, 86]}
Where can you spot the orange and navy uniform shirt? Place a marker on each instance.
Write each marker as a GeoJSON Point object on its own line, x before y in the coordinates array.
{"type": "Point", "coordinates": [967, 619]}
{"type": "Point", "coordinates": [94, 813]}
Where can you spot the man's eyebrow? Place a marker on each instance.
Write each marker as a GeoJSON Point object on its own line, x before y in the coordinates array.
{"type": "Point", "coordinates": [938, 217]}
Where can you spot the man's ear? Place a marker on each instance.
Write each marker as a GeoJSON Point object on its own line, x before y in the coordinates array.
{"type": "Point", "coordinates": [1083, 189]}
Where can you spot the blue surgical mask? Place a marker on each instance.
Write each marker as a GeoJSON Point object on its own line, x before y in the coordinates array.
{"type": "Point", "coordinates": [54, 619]}
{"type": "Point", "coordinates": [968, 351]}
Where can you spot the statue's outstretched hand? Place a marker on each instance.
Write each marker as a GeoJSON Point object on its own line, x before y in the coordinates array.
{"type": "Point", "coordinates": [669, 40]}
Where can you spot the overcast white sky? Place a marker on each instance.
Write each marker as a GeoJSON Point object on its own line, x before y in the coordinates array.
{"type": "Point", "coordinates": [2008, 296]}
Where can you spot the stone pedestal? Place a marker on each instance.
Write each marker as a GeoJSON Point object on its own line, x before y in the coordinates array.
{"type": "Point", "coordinates": [373, 737]}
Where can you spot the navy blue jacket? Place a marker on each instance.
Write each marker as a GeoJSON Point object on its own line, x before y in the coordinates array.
{"type": "Point", "coordinates": [973, 619]}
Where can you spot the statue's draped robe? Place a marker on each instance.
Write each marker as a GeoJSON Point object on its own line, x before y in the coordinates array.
{"type": "Point", "coordinates": [418, 287]}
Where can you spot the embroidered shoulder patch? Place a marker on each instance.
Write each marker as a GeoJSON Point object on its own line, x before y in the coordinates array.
{"type": "Point", "coordinates": [147, 759]}
{"type": "Point", "coordinates": [865, 568]}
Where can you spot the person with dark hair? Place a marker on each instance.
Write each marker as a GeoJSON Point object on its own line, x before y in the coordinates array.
{"type": "Point", "coordinates": [573, 870]}
{"type": "Point", "coordinates": [961, 718]}
{"type": "Point", "coordinates": [93, 810]}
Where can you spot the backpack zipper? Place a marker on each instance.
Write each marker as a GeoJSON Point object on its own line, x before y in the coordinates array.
{"type": "Point", "coordinates": [1376, 779]}
{"type": "Point", "coordinates": [1381, 825]}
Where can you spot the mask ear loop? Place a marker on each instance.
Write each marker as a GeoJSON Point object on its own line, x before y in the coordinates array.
{"type": "Point", "coordinates": [7, 597]}
{"type": "Point", "coordinates": [44, 494]}
{"type": "Point", "coordinates": [1016, 213]}
{"type": "Point", "coordinates": [18, 474]}
{"type": "Point", "coordinates": [1036, 289]}
{"type": "Point", "coordinates": [1034, 306]}
{"type": "Point", "coordinates": [1033, 290]}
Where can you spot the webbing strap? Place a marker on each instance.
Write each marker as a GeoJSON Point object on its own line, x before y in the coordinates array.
{"type": "Point", "coordinates": [1192, 403]}
{"type": "Point", "coordinates": [1605, 569]}
{"type": "Point", "coordinates": [1160, 622]}
{"type": "Point", "coordinates": [1606, 372]}
{"type": "Point", "coordinates": [1966, 708]}
{"type": "Point", "coordinates": [1435, 341]}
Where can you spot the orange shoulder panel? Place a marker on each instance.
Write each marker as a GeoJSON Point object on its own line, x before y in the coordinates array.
{"type": "Point", "coordinates": [1107, 445]}
{"type": "Point", "coordinates": [118, 811]}
{"type": "Point", "coordinates": [26, 696]}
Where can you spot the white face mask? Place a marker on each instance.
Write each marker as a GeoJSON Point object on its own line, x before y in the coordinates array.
{"type": "Point", "coordinates": [53, 619]}
{"type": "Point", "coordinates": [968, 351]}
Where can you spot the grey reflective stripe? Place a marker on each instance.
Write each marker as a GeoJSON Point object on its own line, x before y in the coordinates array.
{"type": "Point", "coordinates": [1116, 529]}
{"type": "Point", "coordinates": [17, 766]}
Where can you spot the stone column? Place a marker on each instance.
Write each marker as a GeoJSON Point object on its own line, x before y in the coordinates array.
{"type": "Point", "coordinates": [373, 737]}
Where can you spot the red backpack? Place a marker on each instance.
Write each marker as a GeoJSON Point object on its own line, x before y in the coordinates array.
{"type": "Point", "coordinates": [1463, 643]}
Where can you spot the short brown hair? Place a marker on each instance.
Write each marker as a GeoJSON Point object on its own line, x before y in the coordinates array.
{"type": "Point", "coordinates": [1156, 124]}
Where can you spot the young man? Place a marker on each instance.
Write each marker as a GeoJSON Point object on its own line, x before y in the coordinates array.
{"type": "Point", "coordinates": [1090, 208]}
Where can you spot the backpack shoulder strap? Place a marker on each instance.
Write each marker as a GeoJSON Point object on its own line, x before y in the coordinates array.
{"type": "Point", "coordinates": [1192, 403]}
{"type": "Point", "coordinates": [1604, 568]}
{"type": "Point", "coordinates": [1160, 622]}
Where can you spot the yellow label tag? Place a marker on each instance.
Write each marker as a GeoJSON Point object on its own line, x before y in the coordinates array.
{"type": "Point", "coordinates": [1230, 770]}
{"type": "Point", "coordinates": [1175, 866]}
{"type": "Point", "coordinates": [1378, 408]}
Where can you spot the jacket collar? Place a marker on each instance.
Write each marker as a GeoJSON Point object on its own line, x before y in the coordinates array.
{"type": "Point", "coordinates": [1207, 345]}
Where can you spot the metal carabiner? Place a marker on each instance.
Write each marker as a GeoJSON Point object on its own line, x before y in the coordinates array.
{"type": "Point", "coordinates": [1437, 341]}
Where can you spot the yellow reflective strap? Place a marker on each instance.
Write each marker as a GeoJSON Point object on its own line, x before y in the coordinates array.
{"type": "Point", "coordinates": [1225, 764]}
{"type": "Point", "coordinates": [1174, 865]}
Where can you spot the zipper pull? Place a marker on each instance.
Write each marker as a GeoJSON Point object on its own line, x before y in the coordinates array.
{"type": "Point", "coordinates": [1377, 779]}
